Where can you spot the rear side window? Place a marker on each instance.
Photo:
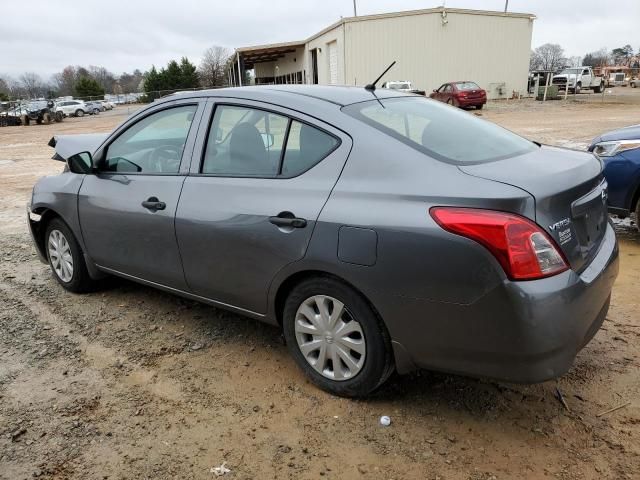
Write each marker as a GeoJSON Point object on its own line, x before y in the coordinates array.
{"type": "Point", "coordinates": [244, 142]}
{"type": "Point", "coordinates": [445, 133]}
{"type": "Point", "coordinates": [250, 142]}
{"type": "Point", "coordinates": [306, 146]}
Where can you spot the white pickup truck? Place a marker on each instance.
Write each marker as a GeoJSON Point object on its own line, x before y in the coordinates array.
{"type": "Point", "coordinates": [578, 78]}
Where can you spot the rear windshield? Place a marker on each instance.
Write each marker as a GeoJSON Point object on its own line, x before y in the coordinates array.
{"type": "Point", "coordinates": [439, 130]}
{"type": "Point", "coordinates": [467, 86]}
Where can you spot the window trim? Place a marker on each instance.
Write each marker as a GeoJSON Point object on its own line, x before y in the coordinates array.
{"type": "Point", "coordinates": [104, 149]}
{"type": "Point", "coordinates": [278, 176]}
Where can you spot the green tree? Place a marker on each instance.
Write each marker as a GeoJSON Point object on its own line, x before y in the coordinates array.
{"type": "Point", "coordinates": [88, 87]}
{"type": "Point", "coordinates": [622, 55]}
{"type": "Point", "coordinates": [188, 74]}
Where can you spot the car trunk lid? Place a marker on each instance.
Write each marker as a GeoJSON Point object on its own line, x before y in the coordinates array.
{"type": "Point", "coordinates": [570, 194]}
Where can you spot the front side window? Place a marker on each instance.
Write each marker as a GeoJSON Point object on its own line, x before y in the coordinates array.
{"type": "Point", "coordinates": [250, 142]}
{"type": "Point", "coordinates": [154, 145]}
{"type": "Point", "coordinates": [447, 134]}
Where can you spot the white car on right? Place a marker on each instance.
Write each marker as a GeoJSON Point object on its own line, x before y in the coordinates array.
{"type": "Point", "coordinates": [73, 108]}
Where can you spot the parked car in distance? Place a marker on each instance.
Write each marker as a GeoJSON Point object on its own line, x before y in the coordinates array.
{"type": "Point", "coordinates": [634, 82]}
{"type": "Point", "coordinates": [620, 153]}
{"type": "Point", "coordinates": [577, 79]}
{"type": "Point", "coordinates": [461, 94]}
{"type": "Point", "coordinates": [402, 86]}
{"type": "Point", "coordinates": [380, 231]}
{"type": "Point", "coordinates": [41, 111]}
{"type": "Point", "coordinates": [95, 107]}
{"type": "Point", "coordinates": [73, 108]}
{"type": "Point", "coordinates": [107, 104]}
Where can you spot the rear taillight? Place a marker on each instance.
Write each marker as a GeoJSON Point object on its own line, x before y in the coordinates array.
{"type": "Point", "coordinates": [523, 249]}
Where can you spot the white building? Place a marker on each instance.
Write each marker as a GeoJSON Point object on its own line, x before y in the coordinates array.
{"type": "Point", "coordinates": [430, 46]}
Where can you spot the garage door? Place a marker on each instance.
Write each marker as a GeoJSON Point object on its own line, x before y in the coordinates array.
{"type": "Point", "coordinates": [333, 63]}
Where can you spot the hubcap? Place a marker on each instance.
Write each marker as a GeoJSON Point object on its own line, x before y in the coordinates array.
{"type": "Point", "coordinates": [329, 338]}
{"type": "Point", "coordinates": [60, 256]}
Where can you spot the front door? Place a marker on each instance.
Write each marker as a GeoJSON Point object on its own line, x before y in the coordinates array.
{"type": "Point", "coordinates": [250, 204]}
{"type": "Point", "coordinates": [127, 209]}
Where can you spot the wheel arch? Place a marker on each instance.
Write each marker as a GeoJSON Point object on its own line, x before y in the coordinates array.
{"type": "Point", "coordinates": [401, 358]}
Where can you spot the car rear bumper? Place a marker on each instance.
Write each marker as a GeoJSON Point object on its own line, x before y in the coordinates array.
{"type": "Point", "coordinates": [522, 332]}
{"type": "Point", "coordinates": [472, 102]}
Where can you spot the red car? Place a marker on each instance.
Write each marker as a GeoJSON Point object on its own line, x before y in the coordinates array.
{"type": "Point", "coordinates": [461, 94]}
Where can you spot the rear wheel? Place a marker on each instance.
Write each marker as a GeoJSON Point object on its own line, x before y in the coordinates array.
{"type": "Point", "coordinates": [336, 338]}
{"type": "Point", "coordinates": [79, 113]}
{"type": "Point", "coordinates": [65, 258]}
{"type": "Point", "coordinates": [59, 116]}
{"type": "Point", "coordinates": [578, 87]}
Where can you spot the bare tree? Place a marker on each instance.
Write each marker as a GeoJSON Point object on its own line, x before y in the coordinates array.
{"type": "Point", "coordinates": [549, 57]}
{"type": "Point", "coordinates": [601, 58]}
{"type": "Point", "coordinates": [212, 70]}
{"type": "Point", "coordinates": [103, 76]}
{"type": "Point", "coordinates": [33, 85]}
{"type": "Point", "coordinates": [65, 80]}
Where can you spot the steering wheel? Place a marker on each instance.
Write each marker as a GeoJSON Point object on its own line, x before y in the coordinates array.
{"type": "Point", "coordinates": [165, 159]}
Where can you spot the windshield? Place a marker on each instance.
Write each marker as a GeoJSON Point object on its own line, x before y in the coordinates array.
{"type": "Point", "coordinates": [570, 71]}
{"type": "Point", "coordinates": [467, 86]}
{"type": "Point", "coordinates": [440, 131]}
{"type": "Point", "coordinates": [399, 86]}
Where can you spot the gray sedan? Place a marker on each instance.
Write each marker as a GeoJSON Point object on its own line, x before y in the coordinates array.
{"type": "Point", "coordinates": [381, 231]}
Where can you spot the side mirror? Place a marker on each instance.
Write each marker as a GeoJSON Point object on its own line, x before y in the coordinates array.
{"type": "Point", "coordinates": [81, 163]}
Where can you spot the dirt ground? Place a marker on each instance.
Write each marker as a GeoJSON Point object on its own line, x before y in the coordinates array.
{"type": "Point", "coordinates": [133, 383]}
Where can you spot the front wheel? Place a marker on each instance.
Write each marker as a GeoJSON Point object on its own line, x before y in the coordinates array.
{"type": "Point", "coordinates": [336, 338]}
{"type": "Point", "coordinates": [577, 89]}
{"type": "Point", "coordinates": [79, 113]}
{"type": "Point", "coordinates": [65, 258]}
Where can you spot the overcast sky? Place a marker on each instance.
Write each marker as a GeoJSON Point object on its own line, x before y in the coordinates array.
{"type": "Point", "coordinates": [43, 36]}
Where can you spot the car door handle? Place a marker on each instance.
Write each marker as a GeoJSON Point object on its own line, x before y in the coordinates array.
{"type": "Point", "coordinates": [152, 203]}
{"type": "Point", "coordinates": [286, 219]}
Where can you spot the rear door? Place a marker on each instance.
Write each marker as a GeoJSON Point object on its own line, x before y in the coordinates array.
{"type": "Point", "coordinates": [259, 179]}
{"type": "Point", "coordinates": [127, 209]}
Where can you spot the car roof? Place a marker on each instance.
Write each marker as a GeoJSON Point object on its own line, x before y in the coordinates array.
{"type": "Point", "coordinates": [338, 95]}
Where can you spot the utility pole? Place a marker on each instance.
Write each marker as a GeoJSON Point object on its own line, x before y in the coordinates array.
{"type": "Point", "coordinates": [506, 5]}
{"type": "Point", "coordinates": [355, 11]}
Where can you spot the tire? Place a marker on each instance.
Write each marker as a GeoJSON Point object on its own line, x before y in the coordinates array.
{"type": "Point", "coordinates": [480, 107]}
{"type": "Point", "coordinates": [96, 111]}
{"type": "Point", "coordinates": [368, 368]}
{"type": "Point", "coordinates": [58, 239]}
{"type": "Point", "coordinates": [638, 215]}
{"type": "Point", "coordinates": [598, 89]}
{"type": "Point", "coordinates": [59, 117]}
{"type": "Point", "coordinates": [79, 113]}
{"type": "Point", "coordinates": [46, 118]}
{"type": "Point", "coordinates": [578, 87]}
{"type": "Point", "coordinates": [24, 120]}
